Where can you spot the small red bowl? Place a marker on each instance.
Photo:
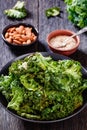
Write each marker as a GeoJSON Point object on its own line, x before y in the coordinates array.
{"type": "Point", "coordinates": [63, 33]}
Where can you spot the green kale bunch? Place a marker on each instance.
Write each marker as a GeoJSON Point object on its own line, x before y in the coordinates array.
{"type": "Point", "coordinates": [77, 12]}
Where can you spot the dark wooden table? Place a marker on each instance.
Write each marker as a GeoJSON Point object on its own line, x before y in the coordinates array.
{"type": "Point", "coordinates": [38, 19]}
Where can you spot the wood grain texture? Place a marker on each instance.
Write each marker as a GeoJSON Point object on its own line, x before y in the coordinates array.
{"type": "Point", "coordinates": [44, 25]}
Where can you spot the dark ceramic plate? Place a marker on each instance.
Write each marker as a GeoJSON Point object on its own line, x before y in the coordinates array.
{"type": "Point", "coordinates": [55, 57]}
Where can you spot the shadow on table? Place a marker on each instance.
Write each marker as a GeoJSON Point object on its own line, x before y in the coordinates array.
{"type": "Point", "coordinates": [81, 57]}
{"type": "Point", "coordinates": [38, 47]}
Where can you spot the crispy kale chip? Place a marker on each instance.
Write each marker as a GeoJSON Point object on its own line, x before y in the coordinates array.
{"type": "Point", "coordinates": [38, 87]}
{"type": "Point", "coordinates": [5, 86]}
{"type": "Point", "coordinates": [17, 95]}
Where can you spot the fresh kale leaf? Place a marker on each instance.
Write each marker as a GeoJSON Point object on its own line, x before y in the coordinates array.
{"type": "Point", "coordinates": [17, 95]}
{"type": "Point", "coordinates": [18, 11]}
{"type": "Point", "coordinates": [5, 88]}
{"type": "Point", "coordinates": [15, 13]}
{"type": "Point", "coordinates": [77, 12]}
{"type": "Point", "coordinates": [51, 12]}
{"type": "Point", "coordinates": [20, 5]}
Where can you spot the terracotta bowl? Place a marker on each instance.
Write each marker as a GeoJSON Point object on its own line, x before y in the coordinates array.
{"type": "Point", "coordinates": [61, 50]}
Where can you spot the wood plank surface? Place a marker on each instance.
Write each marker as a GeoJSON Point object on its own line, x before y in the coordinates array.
{"type": "Point", "coordinates": [44, 25]}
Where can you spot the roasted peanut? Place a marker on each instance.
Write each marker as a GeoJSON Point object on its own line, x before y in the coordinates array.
{"type": "Point", "coordinates": [6, 35]}
{"type": "Point", "coordinates": [25, 37]}
{"type": "Point", "coordinates": [9, 40]}
{"type": "Point", "coordinates": [16, 35]}
{"type": "Point", "coordinates": [16, 38]}
{"type": "Point", "coordinates": [21, 39]}
{"type": "Point", "coordinates": [24, 32]}
{"type": "Point", "coordinates": [11, 29]}
{"type": "Point", "coordinates": [28, 31]}
{"type": "Point", "coordinates": [34, 38]}
{"type": "Point", "coordinates": [20, 29]}
{"type": "Point", "coordinates": [16, 41]}
{"type": "Point", "coordinates": [28, 41]}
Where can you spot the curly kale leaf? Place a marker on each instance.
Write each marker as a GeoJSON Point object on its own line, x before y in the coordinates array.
{"type": "Point", "coordinates": [36, 62]}
{"type": "Point", "coordinates": [20, 5]}
{"type": "Point", "coordinates": [5, 88]}
{"type": "Point", "coordinates": [28, 82]}
{"type": "Point", "coordinates": [61, 105]}
{"type": "Point", "coordinates": [70, 75]}
{"type": "Point", "coordinates": [17, 96]}
{"type": "Point", "coordinates": [18, 11]}
{"type": "Point", "coordinates": [77, 12]}
{"type": "Point", "coordinates": [15, 13]}
{"type": "Point", "coordinates": [53, 11]}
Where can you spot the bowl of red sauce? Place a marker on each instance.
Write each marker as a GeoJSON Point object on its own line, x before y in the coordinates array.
{"type": "Point", "coordinates": [56, 38]}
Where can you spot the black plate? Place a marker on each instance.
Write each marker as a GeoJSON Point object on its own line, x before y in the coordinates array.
{"type": "Point", "coordinates": [55, 57]}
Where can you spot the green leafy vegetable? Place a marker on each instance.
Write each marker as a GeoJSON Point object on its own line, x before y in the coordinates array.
{"type": "Point", "coordinates": [5, 86]}
{"type": "Point", "coordinates": [54, 11]}
{"type": "Point", "coordinates": [18, 11]}
{"type": "Point", "coordinates": [38, 87]}
{"type": "Point", "coordinates": [77, 12]}
{"type": "Point", "coordinates": [17, 95]}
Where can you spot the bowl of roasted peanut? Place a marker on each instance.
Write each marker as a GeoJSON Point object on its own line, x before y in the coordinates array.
{"type": "Point", "coordinates": [20, 35]}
